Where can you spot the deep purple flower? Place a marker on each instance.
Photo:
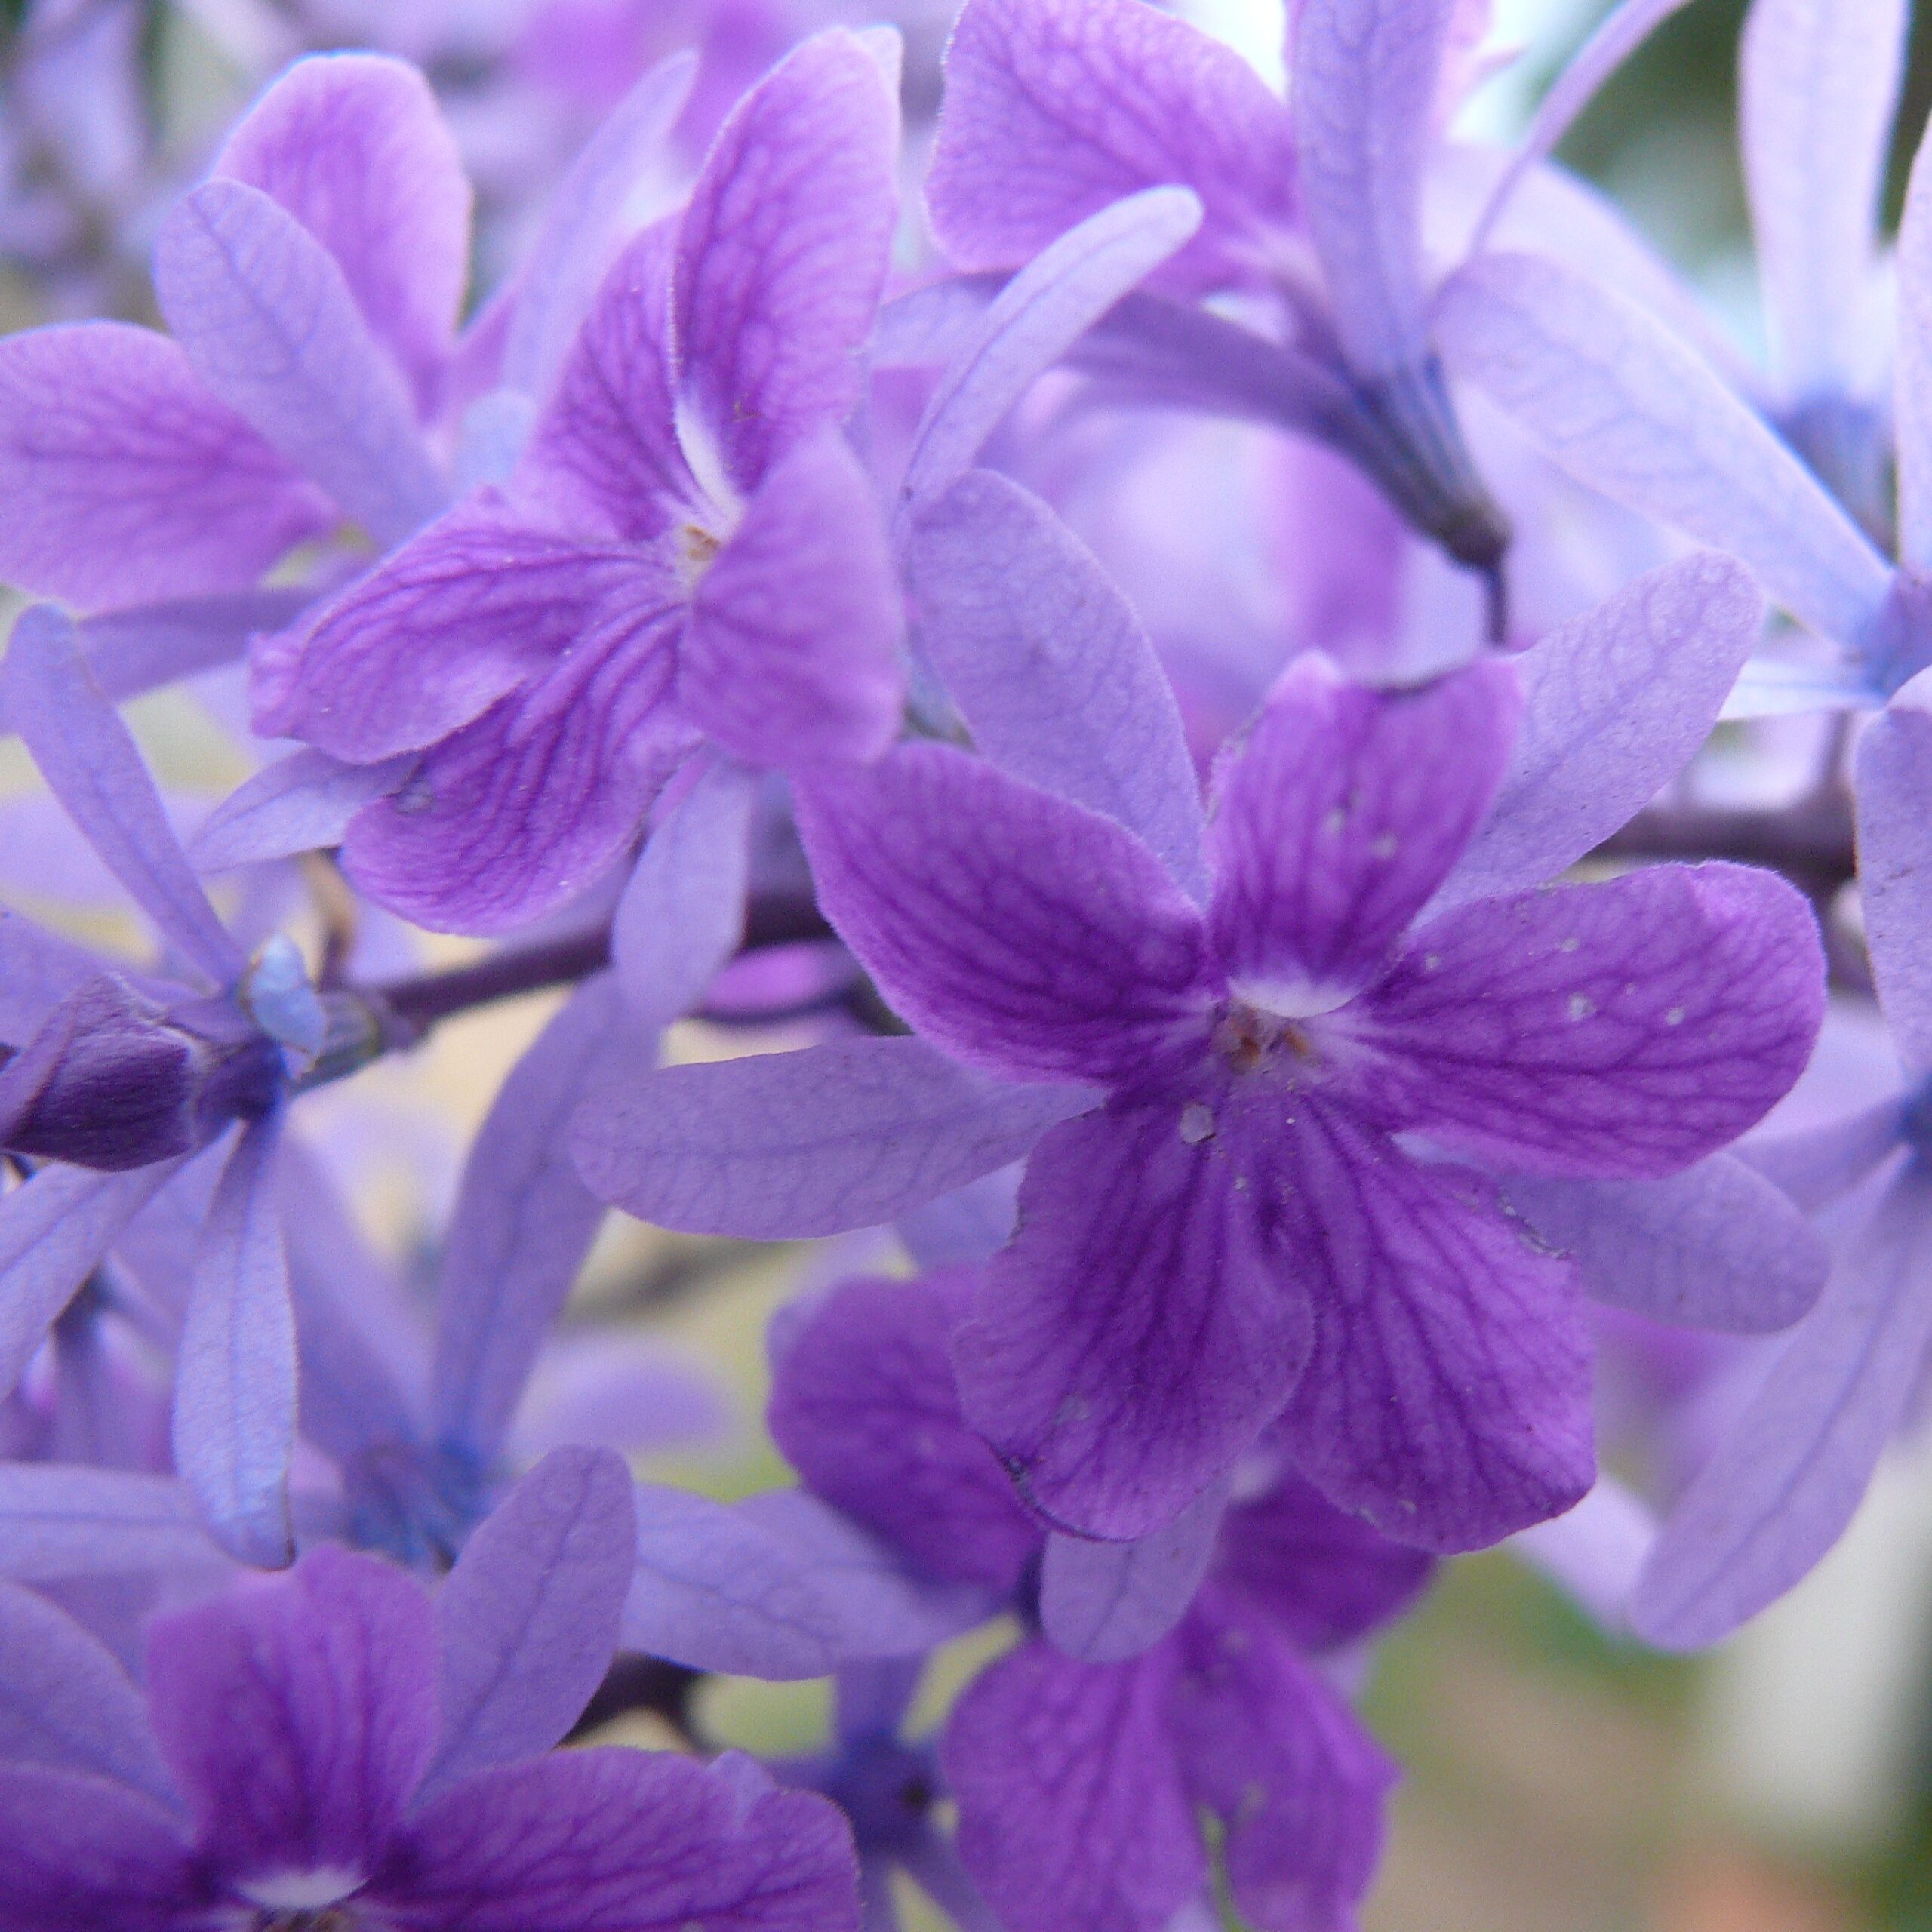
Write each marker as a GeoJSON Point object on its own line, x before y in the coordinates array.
{"type": "Point", "coordinates": [1259, 1212]}
{"type": "Point", "coordinates": [688, 550]}
{"type": "Point", "coordinates": [333, 1748]}
{"type": "Point", "coordinates": [1171, 1677]}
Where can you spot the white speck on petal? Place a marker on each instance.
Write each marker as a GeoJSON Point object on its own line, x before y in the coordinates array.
{"type": "Point", "coordinates": [1581, 1008]}
{"type": "Point", "coordinates": [1197, 1123]}
{"type": "Point", "coordinates": [1383, 847]}
{"type": "Point", "coordinates": [1675, 1017]}
{"type": "Point", "coordinates": [1430, 961]}
{"type": "Point", "coordinates": [1568, 945]}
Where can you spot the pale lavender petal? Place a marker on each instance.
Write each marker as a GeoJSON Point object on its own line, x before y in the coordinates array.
{"type": "Point", "coordinates": [561, 270]}
{"type": "Point", "coordinates": [1104, 1601]}
{"type": "Point", "coordinates": [235, 1378]}
{"type": "Point", "coordinates": [527, 1621]}
{"type": "Point", "coordinates": [1623, 405]}
{"type": "Point", "coordinates": [962, 1229]}
{"type": "Point", "coordinates": [1051, 114]}
{"type": "Point", "coordinates": [451, 624]}
{"type": "Point", "coordinates": [863, 1406]}
{"type": "Point", "coordinates": [1616, 703]}
{"type": "Point", "coordinates": [629, 1393]}
{"type": "Point", "coordinates": [1050, 667]}
{"type": "Point", "coordinates": [1620, 1029]}
{"type": "Point", "coordinates": [1784, 1483]}
{"type": "Point", "coordinates": [66, 1703]}
{"type": "Point", "coordinates": [82, 1852]}
{"type": "Point", "coordinates": [1717, 1246]}
{"type": "Point", "coordinates": [783, 1146]}
{"type": "Point", "coordinates": [269, 322]}
{"type": "Point", "coordinates": [131, 651]}
{"type": "Point", "coordinates": [125, 481]}
{"type": "Point", "coordinates": [298, 1715]}
{"type": "Point", "coordinates": [682, 916]}
{"type": "Point", "coordinates": [90, 761]}
{"type": "Point", "coordinates": [354, 146]}
{"type": "Point", "coordinates": [38, 969]}
{"type": "Point", "coordinates": [1818, 80]}
{"type": "Point", "coordinates": [1366, 77]}
{"type": "Point", "coordinates": [1617, 36]}
{"type": "Point", "coordinates": [1322, 1577]}
{"type": "Point", "coordinates": [522, 1225]}
{"type": "Point", "coordinates": [793, 1592]}
{"type": "Point", "coordinates": [1816, 1166]}
{"type": "Point", "coordinates": [302, 803]}
{"type": "Point", "coordinates": [1911, 366]}
{"type": "Point", "coordinates": [1342, 812]}
{"type": "Point", "coordinates": [606, 454]}
{"type": "Point", "coordinates": [1894, 773]}
{"type": "Point", "coordinates": [59, 1521]}
{"type": "Point", "coordinates": [600, 1839]}
{"type": "Point", "coordinates": [792, 653]}
{"type": "Point", "coordinates": [1023, 933]}
{"type": "Point", "coordinates": [1071, 1808]}
{"type": "Point", "coordinates": [929, 325]}
{"type": "Point", "coordinates": [1034, 321]}
{"type": "Point", "coordinates": [782, 253]}
{"type": "Point", "coordinates": [520, 812]}
{"type": "Point", "coordinates": [1595, 1551]}
{"type": "Point", "coordinates": [1272, 1749]}
{"type": "Point", "coordinates": [1447, 1396]}
{"type": "Point", "coordinates": [55, 1229]}
{"type": "Point", "coordinates": [1143, 1326]}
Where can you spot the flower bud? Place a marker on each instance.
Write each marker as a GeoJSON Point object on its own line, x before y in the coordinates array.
{"type": "Point", "coordinates": [113, 1080]}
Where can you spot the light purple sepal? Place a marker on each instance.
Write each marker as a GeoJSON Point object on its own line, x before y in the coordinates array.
{"type": "Point", "coordinates": [1783, 1485]}
{"type": "Point", "coordinates": [59, 1521]}
{"type": "Point", "coordinates": [1717, 1246]}
{"type": "Point", "coordinates": [568, 258]}
{"type": "Point", "coordinates": [66, 1703]}
{"type": "Point", "coordinates": [1103, 1602]}
{"type": "Point", "coordinates": [1033, 321]}
{"type": "Point", "coordinates": [779, 1147]}
{"type": "Point", "coordinates": [1818, 80]}
{"type": "Point", "coordinates": [1618, 36]}
{"type": "Point", "coordinates": [1050, 666]}
{"type": "Point", "coordinates": [1616, 702]}
{"type": "Point", "coordinates": [55, 1228]}
{"type": "Point", "coordinates": [523, 1223]}
{"type": "Point", "coordinates": [1595, 1551]}
{"type": "Point", "coordinates": [778, 1586]}
{"type": "Point", "coordinates": [235, 1379]}
{"type": "Point", "coordinates": [302, 803]}
{"type": "Point", "coordinates": [527, 1620]}
{"type": "Point", "coordinates": [1367, 74]}
{"type": "Point", "coordinates": [1894, 790]}
{"type": "Point", "coordinates": [1616, 399]}
{"type": "Point", "coordinates": [267, 319]}
{"type": "Point", "coordinates": [683, 913]}
{"type": "Point", "coordinates": [87, 757]}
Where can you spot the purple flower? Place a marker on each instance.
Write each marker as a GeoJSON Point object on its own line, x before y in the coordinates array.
{"type": "Point", "coordinates": [1052, 113]}
{"type": "Point", "coordinates": [311, 287]}
{"type": "Point", "coordinates": [687, 551]}
{"type": "Point", "coordinates": [121, 1078]}
{"type": "Point", "coordinates": [333, 1747]}
{"type": "Point", "coordinates": [1171, 1677]}
{"type": "Point", "coordinates": [1266, 1214]}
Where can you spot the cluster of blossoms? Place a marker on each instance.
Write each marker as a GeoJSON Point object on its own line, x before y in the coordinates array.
{"type": "Point", "coordinates": [1256, 991]}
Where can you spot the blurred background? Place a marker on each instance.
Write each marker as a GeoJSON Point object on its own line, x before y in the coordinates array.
{"type": "Point", "coordinates": [1558, 1780]}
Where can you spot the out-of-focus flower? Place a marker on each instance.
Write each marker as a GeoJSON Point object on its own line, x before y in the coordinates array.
{"type": "Point", "coordinates": [333, 1747]}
